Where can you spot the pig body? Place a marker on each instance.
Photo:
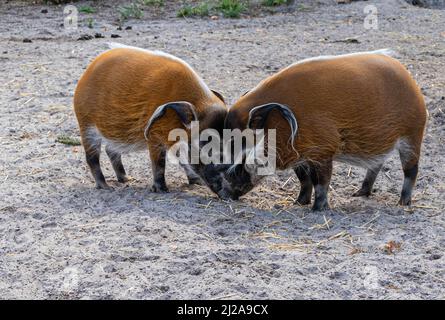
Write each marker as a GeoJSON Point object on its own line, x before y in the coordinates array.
{"type": "Point", "coordinates": [353, 108]}
{"type": "Point", "coordinates": [130, 98]}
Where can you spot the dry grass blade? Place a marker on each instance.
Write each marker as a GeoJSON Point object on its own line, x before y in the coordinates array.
{"type": "Point", "coordinates": [265, 235]}
{"type": "Point", "coordinates": [288, 246]}
{"type": "Point", "coordinates": [370, 221]}
{"type": "Point", "coordinates": [287, 181]}
{"type": "Point", "coordinates": [325, 225]}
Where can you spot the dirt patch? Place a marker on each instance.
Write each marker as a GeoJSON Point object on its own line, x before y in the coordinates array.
{"type": "Point", "coordinates": [61, 238]}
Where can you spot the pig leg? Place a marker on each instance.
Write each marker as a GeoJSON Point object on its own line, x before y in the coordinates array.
{"type": "Point", "coordinates": [92, 151]}
{"type": "Point", "coordinates": [158, 159]}
{"type": "Point", "coordinates": [116, 162]}
{"type": "Point", "coordinates": [368, 182]}
{"type": "Point", "coordinates": [409, 156]}
{"type": "Point", "coordinates": [321, 173]}
{"type": "Point", "coordinates": [410, 176]}
{"type": "Point", "coordinates": [303, 174]}
{"type": "Point", "coordinates": [192, 177]}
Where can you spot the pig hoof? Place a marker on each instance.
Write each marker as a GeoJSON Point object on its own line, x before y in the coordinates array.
{"type": "Point", "coordinates": [104, 186]}
{"type": "Point", "coordinates": [303, 201]}
{"type": "Point", "coordinates": [123, 179]}
{"type": "Point", "coordinates": [362, 193]}
{"type": "Point", "coordinates": [320, 206]}
{"type": "Point", "coordinates": [404, 202]}
{"type": "Point", "coordinates": [159, 188]}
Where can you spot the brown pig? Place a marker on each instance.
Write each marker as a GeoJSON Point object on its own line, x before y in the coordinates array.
{"type": "Point", "coordinates": [353, 108]}
{"type": "Point", "coordinates": [130, 99]}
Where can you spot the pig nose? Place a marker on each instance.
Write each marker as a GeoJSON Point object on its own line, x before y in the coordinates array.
{"type": "Point", "coordinates": [234, 196]}
{"type": "Point", "coordinates": [225, 195]}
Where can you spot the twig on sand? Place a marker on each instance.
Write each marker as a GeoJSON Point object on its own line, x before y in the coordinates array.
{"type": "Point", "coordinates": [324, 225]}
{"type": "Point", "coordinates": [425, 207]}
{"type": "Point", "coordinates": [282, 210]}
{"type": "Point", "coordinates": [265, 235]}
{"type": "Point", "coordinates": [334, 191]}
{"type": "Point", "coordinates": [377, 215]}
{"type": "Point", "coordinates": [27, 101]}
{"type": "Point", "coordinates": [326, 222]}
{"type": "Point", "coordinates": [287, 181]}
{"type": "Point", "coordinates": [388, 176]}
{"type": "Point", "coordinates": [287, 246]}
{"type": "Point", "coordinates": [40, 64]}
{"type": "Point", "coordinates": [341, 234]}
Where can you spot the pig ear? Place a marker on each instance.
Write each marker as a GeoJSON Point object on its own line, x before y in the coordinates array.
{"type": "Point", "coordinates": [258, 117]}
{"type": "Point", "coordinates": [219, 95]}
{"type": "Point", "coordinates": [185, 111]}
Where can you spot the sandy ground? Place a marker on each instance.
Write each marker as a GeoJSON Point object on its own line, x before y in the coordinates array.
{"type": "Point", "coordinates": [60, 238]}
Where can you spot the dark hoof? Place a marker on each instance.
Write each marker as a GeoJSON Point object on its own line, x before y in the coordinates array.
{"type": "Point", "coordinates": [104, 186]}
{"type": "Point", "coordinates": [123, 179]}
{"type": "Point", "coordinates": [404, 202]}
{"type": "Point", "coordinates": [159, 188]}
{"type": "Point", "coordinates": [302, 201]}
{"type": "Point", "coordinates": [320, 206]}
{"type": "Point", "coordinates": [362, 193]}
